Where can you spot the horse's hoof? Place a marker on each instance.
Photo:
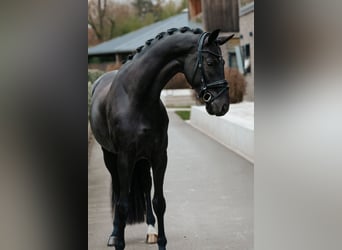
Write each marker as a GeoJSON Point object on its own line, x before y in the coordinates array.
{"type": "Point", "coordinates": [111, 241]}
{"type": "Point", "coordinates": [151, 238]}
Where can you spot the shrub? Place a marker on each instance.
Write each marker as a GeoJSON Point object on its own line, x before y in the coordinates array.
{"type": "Point", "coordinates": [89, 95]}
{"type": "Point", "coordinates": [93, 74]}
{"type": "Point", "coordinates": [236, 81]}
{"type": "Point", "coordinates": [237, 84]}
{"type": "Point", "coordinates": [178, 82]}
{"type": "Point", "coordinates": [113, 66]}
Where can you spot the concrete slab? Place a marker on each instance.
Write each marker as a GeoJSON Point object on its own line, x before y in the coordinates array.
{"type": "Point", "coordinates": [234, 130]}
{"type": "Point", "coordinates": [208, 190]}
{"type": "Point", "coordinates": [178, 97]}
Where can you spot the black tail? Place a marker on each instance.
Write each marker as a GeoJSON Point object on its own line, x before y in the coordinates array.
{"type": "Point", "coordinates": [137, 204]}
{"type": "Point", "coordinates": [136, 199]}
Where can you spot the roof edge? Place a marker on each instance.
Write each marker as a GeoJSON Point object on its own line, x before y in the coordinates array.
{"type": "Point", "coordinates": [247, 9]}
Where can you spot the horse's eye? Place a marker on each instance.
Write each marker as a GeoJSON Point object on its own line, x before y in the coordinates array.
{"type": "Point", "coordinates": [210, 63]}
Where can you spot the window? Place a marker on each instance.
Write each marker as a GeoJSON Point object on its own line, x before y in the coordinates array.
{"type": "Point", "coordinates": [232, 62]}
{"type": "Point", "coordinates": [246, 54]}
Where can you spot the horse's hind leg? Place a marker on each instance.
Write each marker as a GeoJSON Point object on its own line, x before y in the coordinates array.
{"type": "Point", "coordinates": [120, 194]}
{"type": "Point", "coordinates": [125, 163]}
{"type": "Point", "coordinates": [110, 160]}
{"type": "Point", "coordinates": [151, 236]}
{"type": "Point", "coordinates": [159, 205]}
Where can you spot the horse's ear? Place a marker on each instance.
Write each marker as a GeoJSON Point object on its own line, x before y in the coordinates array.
{"type": "Point", "coordinates": [223, 39]}
{"type": "Point", "coordinates": [213, 35]}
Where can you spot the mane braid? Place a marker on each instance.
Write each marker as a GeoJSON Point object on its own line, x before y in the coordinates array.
{"type": "Point", "coordinates": [198, 31]}
{"type": "Point", "coordinates": [149, 41]}
{"type": "Point", "coordinates": [160, 36]}
{"type": "Point", "coordinates": [171, 31]}
{"type": "Point", "coordinates": [139, 48]}
{"type": "Point", "coordinates": [184, 29]}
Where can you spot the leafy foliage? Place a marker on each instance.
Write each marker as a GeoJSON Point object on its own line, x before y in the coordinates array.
{"type": "Point", "coordinates": [143, 7]}
{"type": "Point", "coordinates": [114, 19]}
{"type": "Point", "coordinates": [92, 76]}
{"type": "Point", "coordinates": [236, 81]}
{"type": "Point", "coordinates": [178, 82]}
{"type": "Point", "coordinates": [237, 84]}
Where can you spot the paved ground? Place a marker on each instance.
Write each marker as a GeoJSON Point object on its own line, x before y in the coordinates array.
{"type": "Point", "coordinates": [208, 191]}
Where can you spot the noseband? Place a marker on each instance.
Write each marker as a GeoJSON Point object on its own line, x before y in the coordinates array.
{"type": "Point", "coordinates": [204, 93]}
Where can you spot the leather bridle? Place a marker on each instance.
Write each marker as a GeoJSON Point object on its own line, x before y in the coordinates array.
{"type": "Point", "coordinates": [205, 93]}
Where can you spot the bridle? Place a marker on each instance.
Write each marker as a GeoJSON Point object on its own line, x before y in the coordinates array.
{"type": "Point", "coordinates": [204, 92]}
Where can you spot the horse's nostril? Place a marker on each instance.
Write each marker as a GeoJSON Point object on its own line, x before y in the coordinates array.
{"type": "Point", "coordinates": [224, 107]}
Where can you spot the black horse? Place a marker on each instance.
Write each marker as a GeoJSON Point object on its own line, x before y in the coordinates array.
{"type": "Point", "coordinates": [130, 122]}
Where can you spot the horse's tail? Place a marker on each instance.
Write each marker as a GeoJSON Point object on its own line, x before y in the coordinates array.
{"type": "Point", "coordinates": [141, 183]}
{"type": "Point", "coordinates": [137, 201]}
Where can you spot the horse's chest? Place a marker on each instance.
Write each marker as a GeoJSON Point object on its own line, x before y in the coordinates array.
{"type": "Point", "coordinates": [146, 141]}
{"type": "Point", "coordinates": [141, 133]}
{"type": "Point", "coordinates": [147, 135]}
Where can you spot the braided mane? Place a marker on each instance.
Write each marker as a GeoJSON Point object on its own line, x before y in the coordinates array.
{"type": "Point", "coordinates": [161, 35]}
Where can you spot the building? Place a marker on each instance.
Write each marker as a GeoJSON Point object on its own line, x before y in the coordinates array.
{"type": "Point", "coordinates": [117, 49]}
{"type": "Point", "coordinates": [247, 46]}
{"type": "Point", "coordinates": [232, 17]}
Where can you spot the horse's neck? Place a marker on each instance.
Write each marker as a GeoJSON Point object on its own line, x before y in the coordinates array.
{"type": "Point", "coordinates": [157, 65]}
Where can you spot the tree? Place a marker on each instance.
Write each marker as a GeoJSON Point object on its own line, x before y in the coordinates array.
{"type": "Point", "coordinates": [110, 19]}
{"type": "Point", "coordinates": [98, 18]}
{"type": "Point", "coordinates": [143, 7]}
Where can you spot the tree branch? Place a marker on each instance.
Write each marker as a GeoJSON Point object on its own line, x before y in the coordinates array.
{"type": "Point", "coordinates": [92, 23]}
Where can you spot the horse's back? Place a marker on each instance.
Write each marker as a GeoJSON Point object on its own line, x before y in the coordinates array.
{"type": "Point", "coordinates": [103, 81]}
{"type": "Point", "coordinates": [98, 119]}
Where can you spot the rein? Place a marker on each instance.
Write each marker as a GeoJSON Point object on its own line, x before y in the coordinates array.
{"type": "Point", "coordinates": [205, 93]}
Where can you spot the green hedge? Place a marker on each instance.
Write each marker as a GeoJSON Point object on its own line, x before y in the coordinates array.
{"type": "Point", "coordinates": [93, 74]}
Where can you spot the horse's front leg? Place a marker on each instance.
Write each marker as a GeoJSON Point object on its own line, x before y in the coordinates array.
{"type": "Point", "coordinates": [125, 169]}
{"type": "Point", "coordinates": [159, 205]}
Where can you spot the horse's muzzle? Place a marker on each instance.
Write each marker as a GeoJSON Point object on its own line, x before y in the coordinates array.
{"type": "Point", "coordinates": [218, 110]}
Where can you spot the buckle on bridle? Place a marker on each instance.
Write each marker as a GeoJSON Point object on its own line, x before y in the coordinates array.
{"type": "Point", "coordinates": [207, 96]}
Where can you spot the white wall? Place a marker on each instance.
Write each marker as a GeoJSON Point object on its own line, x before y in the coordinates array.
{"type": "Point", "coordinates": [234, 130]}
{"type": "Point", "coordinates": [177, 97]}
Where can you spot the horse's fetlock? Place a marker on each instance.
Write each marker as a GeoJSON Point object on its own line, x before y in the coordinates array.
{"type": "Point", "coordinates": [161, 242]}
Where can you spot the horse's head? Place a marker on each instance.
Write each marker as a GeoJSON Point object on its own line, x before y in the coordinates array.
{"type": "Point", "coordinates": [204, 70]}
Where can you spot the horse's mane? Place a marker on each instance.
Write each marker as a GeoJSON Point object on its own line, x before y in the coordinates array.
{"type": "Point", "coordinates": [170, 31]}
